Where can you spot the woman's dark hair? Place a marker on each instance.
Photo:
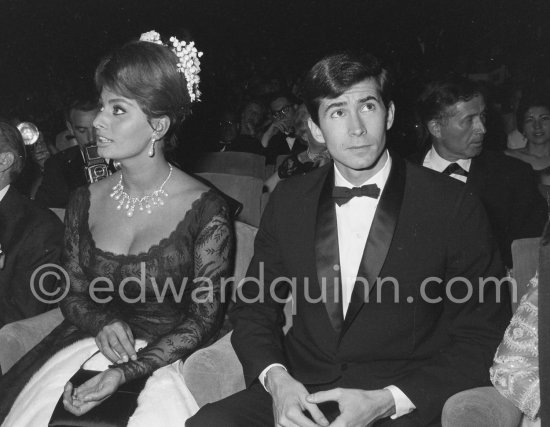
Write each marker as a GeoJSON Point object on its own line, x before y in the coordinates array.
{"type": "Point", "coordinates": [531, 98]}
{"type": "Point", "coordinates": [334, 74]}
{"type": "Point", "coordinates": [147, 72]}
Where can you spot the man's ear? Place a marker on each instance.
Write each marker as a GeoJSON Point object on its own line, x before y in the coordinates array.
{"type": "Point", "coordinates": [160, 126]}
{"type": "Point", "coordinates": [316, 131]}
{"type": "Point", "coordinates": [7, 159]}
{"type": "Point", "coordinates": [390, 115]}
{"type": "Point", "coordinates": [434, 127]}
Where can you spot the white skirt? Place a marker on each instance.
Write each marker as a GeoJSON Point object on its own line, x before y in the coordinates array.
{"type": "Point", "coordinates": [165, 399]}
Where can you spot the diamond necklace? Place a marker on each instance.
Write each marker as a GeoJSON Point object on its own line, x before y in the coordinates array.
{"type": "Point", "coordinates": [144, 203]}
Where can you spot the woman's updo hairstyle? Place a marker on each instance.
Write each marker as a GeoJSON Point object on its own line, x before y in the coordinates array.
{"type": "Point", "coordinates": [147, 72]}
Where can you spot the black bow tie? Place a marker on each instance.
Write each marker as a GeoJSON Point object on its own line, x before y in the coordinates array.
{"type": "Point", "coordinates": [343, 195]}
{"type": "Point", "coordinates": [454, 168]}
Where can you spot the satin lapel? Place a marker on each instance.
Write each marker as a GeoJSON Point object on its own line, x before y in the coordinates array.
{"type": "Point", "coordinates": [379, 240]}
{"type": "Point", "coordinates": [327, 254]}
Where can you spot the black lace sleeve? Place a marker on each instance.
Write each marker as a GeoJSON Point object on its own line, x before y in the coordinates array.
{"type": "Point", "coordinates": [77, 306]}
{"type": "Point", "coordinates": [213, 250]}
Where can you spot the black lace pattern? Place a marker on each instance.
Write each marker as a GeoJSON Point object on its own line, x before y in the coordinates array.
{"type": "Point", "coordinates": [170, 295]}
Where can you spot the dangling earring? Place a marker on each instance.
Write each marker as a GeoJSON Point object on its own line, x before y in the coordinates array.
{"type": "Point", "coordinates": [152, 149]}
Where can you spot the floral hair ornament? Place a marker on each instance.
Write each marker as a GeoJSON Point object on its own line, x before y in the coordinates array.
{"type": "Point", "coordinates": [188, 60]}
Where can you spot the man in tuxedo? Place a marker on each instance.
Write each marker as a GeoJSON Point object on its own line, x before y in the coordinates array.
{"type": "Point", "coordinates": [380, 256]}
{"type": "Point", "coordinates": [453, 113]}
{"type": "Point", "coordinates": [30, 236]}
{"type": "Point", "coordinates": [280, 137]}
{"type": "Point", "coordinates": [64, 172]}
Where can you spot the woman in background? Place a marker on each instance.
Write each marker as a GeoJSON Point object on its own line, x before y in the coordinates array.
{"type": "Point", "coordinates": [533, 121]}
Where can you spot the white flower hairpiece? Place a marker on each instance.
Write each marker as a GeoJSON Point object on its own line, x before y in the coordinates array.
{"type": "Point", "coordinates": [188, 60]}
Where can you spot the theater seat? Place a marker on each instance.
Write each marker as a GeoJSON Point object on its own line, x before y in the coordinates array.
{"type": "Point", "coordinates": [245, 189]}
{"type": "Point", "coordinates": [485, 406]}
{"type": "Point", "coordinates": [18, 338]}
{"type": "Point", "coordinates": [234, 163]}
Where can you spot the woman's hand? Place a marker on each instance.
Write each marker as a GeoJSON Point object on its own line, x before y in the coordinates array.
{"type": "Point", "coordinates": [116, 342]}
{"type": "Point", "coordinates": [94, 391]}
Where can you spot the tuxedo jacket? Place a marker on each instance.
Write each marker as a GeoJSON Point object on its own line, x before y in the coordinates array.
{"type": "Point", "coordinates": [30, 237]}
{"type": "Point", "coordinates": [63, 173]}
{"type": "Point", "coordinates": [508, 189]}
{"type": "Point", "coordinates": [421, 339]}
{"type": "Point", "coordinates": [278, 145]}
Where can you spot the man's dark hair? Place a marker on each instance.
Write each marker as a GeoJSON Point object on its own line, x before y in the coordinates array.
{"type": "Point", "coordinates": [83, 97]}
{"type": "Point", "coordinates": [334, 74]}
{"type": "Point", "coordinates": [289, 96]}
{"type": "Point", "coordinates": [531, 98]}
{"type": "Point", "coordinates": [12, 141]}
{"type": "Point", "coordinates": [441, 94]}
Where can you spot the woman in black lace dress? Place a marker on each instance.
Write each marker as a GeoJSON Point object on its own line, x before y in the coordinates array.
{"type": "Point", "coordinates": [155, 238]}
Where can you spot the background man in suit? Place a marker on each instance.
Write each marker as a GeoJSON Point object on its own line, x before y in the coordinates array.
{"type": "Point", "coordinates": [453, 112]}
{"type": "Point", "coordinates": [30, 236]}
{"type": "Point", "coordinates": [64, 172]}
{"type": "Point", "coordinates": [280, 137]}
{"type": "Point", "coordinates": [393, 349]}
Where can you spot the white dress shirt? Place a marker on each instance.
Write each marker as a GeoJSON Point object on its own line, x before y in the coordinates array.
{"type": "Point", "coordinates": [290, 140]}
{"type": "Point", "coordinates": [354, 220]}
{"type": "Point", "coordinates": [3, 192]}
{"type": "Point", "coordinates": [437, 163]}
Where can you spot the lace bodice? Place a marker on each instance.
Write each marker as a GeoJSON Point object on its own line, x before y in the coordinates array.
{"type": "Point", "coordinates": [169, 295]}
{"type": "Point", "coordinates": [515, 372]}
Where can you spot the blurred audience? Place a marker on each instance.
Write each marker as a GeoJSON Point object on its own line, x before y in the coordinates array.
{"type": "Point", "coordinates": [230, 137]}
{"type": "Point", "coordinates": [301, 163]}
{"type": "Point", "coordinates": [64, 172]}
{"type": "Point", "coordinates": [280, 137]}
{"type": "Point", "coordinates": [30, 236]}
{"type": "Point", "coordinates": [252, 119]}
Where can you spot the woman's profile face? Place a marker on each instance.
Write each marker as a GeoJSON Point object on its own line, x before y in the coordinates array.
{"type": "Point", "coordinates": [536, 125]}
{"type": "Point", "coordinates": [123, 130]}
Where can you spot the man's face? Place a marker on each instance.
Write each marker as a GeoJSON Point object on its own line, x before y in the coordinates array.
{"type": "Point", "coordinates": [252, 115]}
{"type": "Point", "coordinates": [228, 127]}
{"type": "Point", "coordinates": [282, 110]}
{"type": "Point", "coordinates": [353, 126]}
{"type": "Point", "coordinates": [536, 125]}
{"type": "Point", "coordinates": [460, 134]}
{"type": "Point", "coordinates": [81, 126]}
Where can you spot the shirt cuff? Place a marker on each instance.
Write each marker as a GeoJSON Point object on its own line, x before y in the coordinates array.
{"type": "Point", "coordinates": [403, 404]}
{"type": "Point", "coordinates": [264, 373]}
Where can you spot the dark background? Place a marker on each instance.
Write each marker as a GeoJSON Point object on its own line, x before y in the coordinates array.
{"type": "Point", "coordinates": [46, 43]}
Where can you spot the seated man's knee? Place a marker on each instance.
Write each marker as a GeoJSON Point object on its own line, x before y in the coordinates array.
{"type": "Point", "coordinates": [483, 406]}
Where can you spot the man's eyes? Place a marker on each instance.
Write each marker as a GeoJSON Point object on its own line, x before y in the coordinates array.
{"type": "Point", "coordinates": [337, 113]}
{"type": "Point", "coordinates": [369, 106]}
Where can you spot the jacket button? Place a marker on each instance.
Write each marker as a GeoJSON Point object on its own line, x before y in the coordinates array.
{"type": "Point", "coordinates": [344, 366]}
